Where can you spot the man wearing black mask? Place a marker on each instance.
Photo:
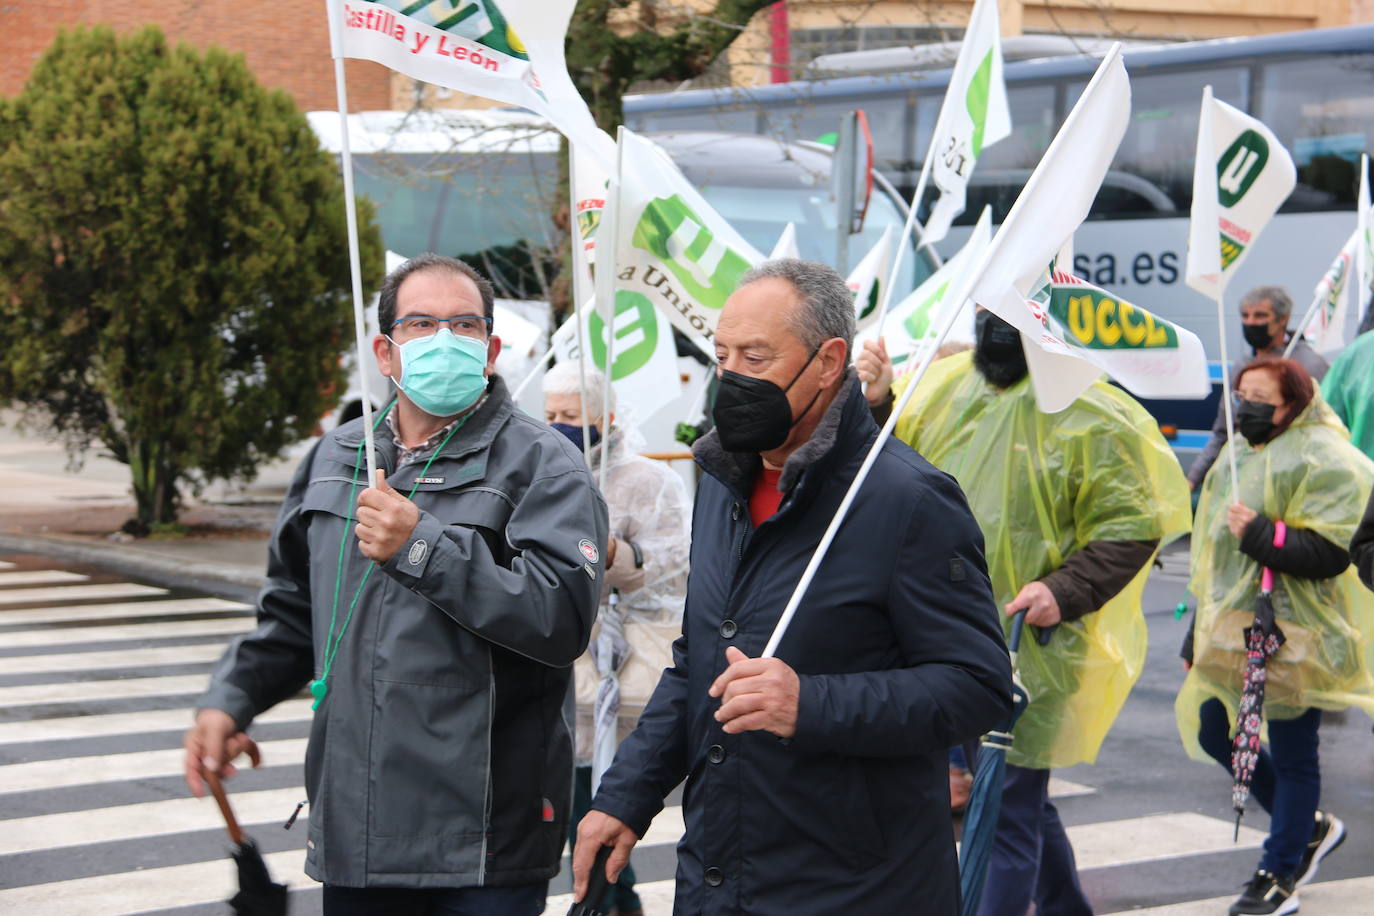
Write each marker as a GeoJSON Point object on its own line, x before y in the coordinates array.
{"type": "Point", "coordinates": [1073, 506]}
{"type": "Point", "coordinates": [1264, 315]}
{"type": "Point", "coordinates": [816, 780]}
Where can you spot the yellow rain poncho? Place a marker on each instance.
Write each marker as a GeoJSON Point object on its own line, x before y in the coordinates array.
{"type": "Point", "coordinates": [1042, 487]}
{"type": "Point", "coordinates": [1309, 477]}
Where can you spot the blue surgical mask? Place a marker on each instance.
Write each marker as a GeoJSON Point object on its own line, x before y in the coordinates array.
{"type": "Point", "coordinates": [574, 433]}
{"type": "Point", "coordinates": [443, 374]}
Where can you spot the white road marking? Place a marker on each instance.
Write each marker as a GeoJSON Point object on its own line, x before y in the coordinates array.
{"type": "Point", "coordinates": [136, 659]}
{"type": "Point", "coordinates": [40, 577]}
{"type": "Point", "coordinates": [140, 821]}
{"type": "Point", "coordinates": [20, 597]}
{"type": "Point", "coordinates": [86, 691]}
{"type": "Point", "coordinates": [169, 607]}
{"type": "Point", "coordinates": [1062, 788]}
{"type": "Point", "coordinates": [1349, 897]}
{"type": "Point", "coordinates": [1156, 836]}
{"type": "Point", "coordinates": [129, 723]}
{"type": "Point", "coordinates": [106, 768]}
{"type": "Point", "coordinates": [148, 889]}
{"type": "Point", "coordinates": [131, 631]}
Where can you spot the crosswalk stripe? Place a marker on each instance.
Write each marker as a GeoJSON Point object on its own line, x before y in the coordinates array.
{"type": "Point", "coordinates": [147, 889]}
{"type": "Point", "coordinates": [136, 659]}
{"type": "Point", "coordinates": [1348, 897]}
{"type": "Point", "coordinates": [167, 607]}
{"type": "Point", "coordinates": [1154, 837]}
{"type": "Point", "coordinates": [5, 564]}
{"type": "Point", "coordinates": [142, 820]}
{"type": "Point", "coordinates": [21, 596]}
{"type": "Point", "coordinates": [157, 720]}
{"type": "Point", "coordinates": [107, 768]}
{"type": "Point", "coordinates": [40, 577]}
{"type": "Point", "coordinates": [131, 631]}
{"type": "Point", "coordinates": [1063, 788]}
{"type": "Point", "coordinates": [85, 691]}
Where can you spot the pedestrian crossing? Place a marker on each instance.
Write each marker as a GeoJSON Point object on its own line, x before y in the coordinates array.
{"type": "Point", "coordinates": [96, 689]}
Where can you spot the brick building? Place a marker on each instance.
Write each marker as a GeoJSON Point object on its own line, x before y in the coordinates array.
{"type": "Point", "coordinates": [285, 42]}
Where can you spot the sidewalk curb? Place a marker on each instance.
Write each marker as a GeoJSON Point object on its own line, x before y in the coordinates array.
{"type": "Point", "coordinates": [223, 580]}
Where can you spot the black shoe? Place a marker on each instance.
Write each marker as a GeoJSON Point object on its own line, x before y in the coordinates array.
{"type": "Point", "coordinates": [1266, 895]}
{"type": "Point", "coordinates": [1326, 836]}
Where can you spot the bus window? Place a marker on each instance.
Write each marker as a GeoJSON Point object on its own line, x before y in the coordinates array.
{"type": "Point", "coordinates": [1322, 109]}
{"type": "Point", "coordinates": [812, 120]}
{"type": "Point", "coordinates": [739, 118]}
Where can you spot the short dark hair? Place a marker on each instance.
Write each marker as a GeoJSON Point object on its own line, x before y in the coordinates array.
{"type": "Point", "coordinates": [1295, 385]}
{"type": "Point", "coordinates": [386, 299]}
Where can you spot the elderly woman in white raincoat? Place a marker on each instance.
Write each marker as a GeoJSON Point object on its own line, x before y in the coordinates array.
{"type": "Point", "coordinates": [644, 588]}
{"type": "Point", "coordinates": [1297, 468]}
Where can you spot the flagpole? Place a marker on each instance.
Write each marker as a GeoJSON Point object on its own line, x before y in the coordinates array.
{"type": "Point", "coordinates": [906, 234]}
{"type": "Point", "coordinates": [580, 272]}
{"type": "Point", "coordinates": [1226, 396]}
{"type": "Point", "coordinates": [605, 299]}
{"type": "Point", "coordinates": [1306, 319]}
{"type": "Point", "coordinates": [790, 611]}
{"type": "Point", "coordinates": [354, 261]}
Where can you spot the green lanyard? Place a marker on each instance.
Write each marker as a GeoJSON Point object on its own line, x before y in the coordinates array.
{"type": "Point", "coordinates": [318, 688]}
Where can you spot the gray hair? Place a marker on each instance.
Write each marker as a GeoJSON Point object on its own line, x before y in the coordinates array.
{"type": "Point", "coordinates": [826, 310]}
{"type": "Point", "coordinates": [1276, 296]}
{"type": "Point", "coordinates": [566, 378]}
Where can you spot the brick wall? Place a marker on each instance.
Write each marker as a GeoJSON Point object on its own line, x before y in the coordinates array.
{"type": "Point", "coordinates": [285, 42]}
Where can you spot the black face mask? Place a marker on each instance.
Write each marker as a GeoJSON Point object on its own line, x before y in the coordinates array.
{"type": "Point", "coordinates": [1255, 421]}
{"type": "Point", "coordinates": [997, 352]}
{"type": "Point", "coordinates": [753, 414]}
{"type": "Point", "coordinates": [1257, 335]}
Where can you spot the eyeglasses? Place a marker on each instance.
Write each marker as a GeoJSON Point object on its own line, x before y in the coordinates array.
{"type": "Point", "coordinates": [412, 326]}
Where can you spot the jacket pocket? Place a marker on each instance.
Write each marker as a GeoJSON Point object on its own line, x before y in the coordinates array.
{"type": "Point", "coordinates": [858, 820]}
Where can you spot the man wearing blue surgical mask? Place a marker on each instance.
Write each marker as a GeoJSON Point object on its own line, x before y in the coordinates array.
{"type": "Point", "coordinates": [434, 617]}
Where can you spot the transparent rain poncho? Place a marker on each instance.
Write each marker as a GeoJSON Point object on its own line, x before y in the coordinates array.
{"type": "Point", "coordinates": [1310, 477]}
{"type": "Point", "coordinates": [1043, 486]}
{"type": "Point", "coordinates": [648, 504]}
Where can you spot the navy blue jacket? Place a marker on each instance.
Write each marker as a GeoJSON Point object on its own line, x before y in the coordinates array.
{"type": "Point", "coordinates": [900, 656]}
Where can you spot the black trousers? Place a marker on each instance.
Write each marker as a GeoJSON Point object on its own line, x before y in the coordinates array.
{"type": "Point", "coordinates": [526, 900]}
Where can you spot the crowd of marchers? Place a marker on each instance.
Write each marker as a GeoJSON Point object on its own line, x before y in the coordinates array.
{"type": "Point", "coordinates": [521, 634]}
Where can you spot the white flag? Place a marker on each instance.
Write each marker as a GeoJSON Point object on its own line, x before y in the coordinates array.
{"type": "Point", "coordinates": [1326, 329]}
{"type": "Point", "coordinates": [1054, 201]}
{"type": "Point", "coordinates": [974, 115]}
{"type": "Point", "coordinates": [590, 184]}
{"type": "Point", "coordinates": [645, 374]}
{"type": "Point", "coordinates": [511, 51]}
{"type": "Point", "coordinates": [1364, 261]}
{"type": "Point", "coordinates": [912, 324]}
{"type": "Point", "coordinates": [786, 245]}
{"type": "Point", "coordinates": [671, 246]}
{"type": "Point", "coordinates": [1241, 175]}
{"type": "Point", "coordinates": [867, 279]}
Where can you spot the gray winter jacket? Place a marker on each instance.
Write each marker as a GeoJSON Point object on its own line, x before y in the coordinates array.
{"type": "Point", "coordinates": [441, 755]}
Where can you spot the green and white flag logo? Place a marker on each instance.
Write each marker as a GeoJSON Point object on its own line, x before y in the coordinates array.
{"type": "Point", "coordinates": [644, 371]}
{"type": "Point", "coordinates": [708, 270]}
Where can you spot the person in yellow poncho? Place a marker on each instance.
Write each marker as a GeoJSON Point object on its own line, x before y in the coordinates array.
{"type": "Point", "coordinates": [1297, 467]}
{"type": "Point", "coordinates": [1073, 507]}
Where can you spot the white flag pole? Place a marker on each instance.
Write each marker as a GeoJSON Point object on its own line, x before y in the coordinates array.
{"type": "Point", "coordinates": [354, 262]}
{"type": "Point", "coordinates": [905, 237]}
{"type": "Point", "coordinates": [580, 271]}
{"type": "Point", "coordinates": [605, 293]}
{"type": "Point", "coordinates": [1226, 397]}
{"type": "Point", "coordinates": [947, 324]}
{"type": "Point", "coordinates": [1322, 293]}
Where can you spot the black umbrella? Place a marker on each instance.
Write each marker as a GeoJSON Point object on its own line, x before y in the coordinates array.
{"type": "Point", "coordinates": [1263, 638]}
{"type": "Point", "coordinates": [597, 885]}
{"type": "Point", "coordinates": [985, 798]}
{"type": "Point", "coordinates": [258, 895]}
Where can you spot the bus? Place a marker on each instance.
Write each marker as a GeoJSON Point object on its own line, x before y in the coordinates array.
{"type": "Point", "coordinates": [1314, 89]}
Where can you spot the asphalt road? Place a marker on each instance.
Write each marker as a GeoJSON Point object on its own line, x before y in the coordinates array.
{"type": "Point", "coordinates": [97, 676]}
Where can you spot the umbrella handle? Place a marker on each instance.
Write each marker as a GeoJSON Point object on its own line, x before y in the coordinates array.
{"type": "Point", "coordinates": [1280, 537]}
{"type": "Point", "coordinates": [1018, 623]}
{"type": "Point", "coordinates": [230, 822]}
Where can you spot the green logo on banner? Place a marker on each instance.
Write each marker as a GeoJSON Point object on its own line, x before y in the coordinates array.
{"type": "Point", "coordinates": [1239, 166]}
{"type": "Point", "coordinates": [869, 305]}
{"type": "Point", "coordinates": [636, 336]}
{"type": "Point", "coordinates": [979, 89]}
{"type": "Point", "coordinates": [475, 20]}
{"type": "Point", "coordinates": [917, 324]}
{"type": "Point", "coordinates": [588, 221]}
{"type": "Point", "coordinates": [707, 268]}
{"type": "Point", "coordinates": [1230, 250]}
{"type": "Point", "coordinates": [1098, 322]}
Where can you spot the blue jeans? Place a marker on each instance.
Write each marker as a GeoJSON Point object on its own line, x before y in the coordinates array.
{"type": "Point", "coordinates": [526, 900]}
{"type": "Point", "coordinates": [1287, 782]}
{"type": "Point", "coordinates": [1032, 861]}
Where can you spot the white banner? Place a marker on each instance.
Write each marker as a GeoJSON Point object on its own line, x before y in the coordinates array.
{"type": "Point", "coordinates": [867, 279]}
{"type": "Point", "coordinates": [645, 374]}
{"type": "Point", "coordinates": [786, 245]}
{"type": "Point", "coordinates": [1326, 330]}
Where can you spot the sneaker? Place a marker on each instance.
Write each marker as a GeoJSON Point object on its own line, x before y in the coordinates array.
{"type": "Point", "coordinates": [1266, 895]}
{"type": "Point", "coordinates": [1328, 833]}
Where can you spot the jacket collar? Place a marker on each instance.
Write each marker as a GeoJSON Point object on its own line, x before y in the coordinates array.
{"type": "Point", "coordinates": [841, 421]}
{"type": "Point", "coordinates": [473, 436]}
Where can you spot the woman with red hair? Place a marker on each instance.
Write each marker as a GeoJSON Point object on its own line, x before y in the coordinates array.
{"type": "Point", "coordinates": [1299, 476]}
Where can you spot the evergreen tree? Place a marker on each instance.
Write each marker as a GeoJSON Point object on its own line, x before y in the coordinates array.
{"type": "Point", "coordinates": [174, 279]}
